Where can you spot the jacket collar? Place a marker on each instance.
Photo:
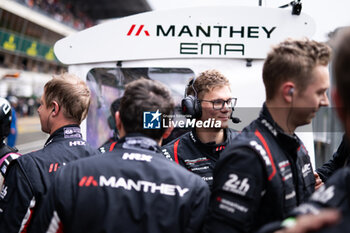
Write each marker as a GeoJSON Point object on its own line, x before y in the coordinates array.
{"type": "Point", "coordinates": [290, 142]}
{"type": "Point", "coordinates": [67, 131]}
{"type": "Point", "coordinates": [138, 141]}
{"type": "Point", "coordinates": [210, 145]}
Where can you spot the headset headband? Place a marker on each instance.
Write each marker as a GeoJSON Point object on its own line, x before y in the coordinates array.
{"type": "Point", "coordinates": [191, 83]}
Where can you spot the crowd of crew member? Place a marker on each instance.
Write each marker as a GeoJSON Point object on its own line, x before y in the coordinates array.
{"type": "Point", "coordinates": [206, 180]}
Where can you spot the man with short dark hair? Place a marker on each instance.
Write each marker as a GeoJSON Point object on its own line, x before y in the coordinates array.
{"type": "Point", "coordinates": [133, 188]}
{"type": "Point", "coordinates": [64, 105]}
{"type": "Point", "coordinates": [267, 172]}
{"type": "Point", "coordinates": [199, 149]}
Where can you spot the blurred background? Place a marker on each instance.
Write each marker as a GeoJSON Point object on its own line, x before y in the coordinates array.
{"type": "Point", "coordinates": [28, 31]}
{"type": "Point", "coordinates": [30, 28]}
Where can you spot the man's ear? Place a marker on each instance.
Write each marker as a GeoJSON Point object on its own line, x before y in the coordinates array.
{"type": "Point", "coordinates": [117, 120]}
{"type": "Point", "coordinates": [55, 108]}
{"type": "Point", "coordinates": [167, 132]}
{"type": "Point", "coordinates": [287, 90]}
{"type": "Point", "coordinates": [119, 124]}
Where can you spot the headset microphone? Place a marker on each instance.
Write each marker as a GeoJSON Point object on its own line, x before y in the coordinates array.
{"type": "Point", "coordinates": [236, 120]}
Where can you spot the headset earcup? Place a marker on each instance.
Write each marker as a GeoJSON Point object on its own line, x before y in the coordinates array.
{"type": "Point", "coordinates": [187, 106]}
{"type": "Point", "coordinates": [191, 106]}
{"type": "Point", "coordinates": [198, 109]}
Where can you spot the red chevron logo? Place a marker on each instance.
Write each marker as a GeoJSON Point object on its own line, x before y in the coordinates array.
{"type": "Point", "coordinates": [53, 167]}
{"type": "Point", "coordinates": [87, 181]}
{"type": "Point", "coordinates": [138, 31]}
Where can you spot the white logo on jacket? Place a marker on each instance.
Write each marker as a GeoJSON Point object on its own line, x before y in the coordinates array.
{"type": "Point", "coordinates": [234, 185]}
{"type": "Point", "coordinates": [167, 155]}
{"type": "Point", "coordinates": [3, 192]}
{"type": "Point", "coordinates": [137, 156]}
{"type": "Point", "coordinates": [306, 169]}
{"type": "Point", "coordinates": [142, 186]}
{"type": "Point", "coordinates": [261, 151]}
{"type": "Point", "coordinates": [323, 195]}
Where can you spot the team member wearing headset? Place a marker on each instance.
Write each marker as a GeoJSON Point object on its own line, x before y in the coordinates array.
{"type": "Point", "coordinates": [208, 97]}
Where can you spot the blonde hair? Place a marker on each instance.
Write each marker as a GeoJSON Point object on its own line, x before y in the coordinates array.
{"type": "Point", "coordinates": [207, 81]}
{"type": "Point", "coordinates": [71, 94]}
{"type": "Point", "coordinates": [293, 60]}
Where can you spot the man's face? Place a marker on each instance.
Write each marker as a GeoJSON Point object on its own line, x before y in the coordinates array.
{"type": "Point", "coordinates": [308, 102]}
{"type": "Point", "coordinates": [217, 93]}
{"type": "Point", "coordinates": [44, 114]}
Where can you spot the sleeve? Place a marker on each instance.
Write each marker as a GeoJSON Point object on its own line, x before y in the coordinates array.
{"type": "Point", "coordinates": [55, 211]}
{"type": "Point", "coordinates": [17, 201]}
{"type": "Point", "coordinates": [47, 218]}
{"type": "Point", "coordinates": [239, 181]}
{"type": "Point", "coordinates": [171, 152]}
{"type": "Point", "coordinates": [333, 194]}
{"type": "Point", "coordinates": [199, 207]}
{"type": "Point", "coordinates": [337, 161]}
